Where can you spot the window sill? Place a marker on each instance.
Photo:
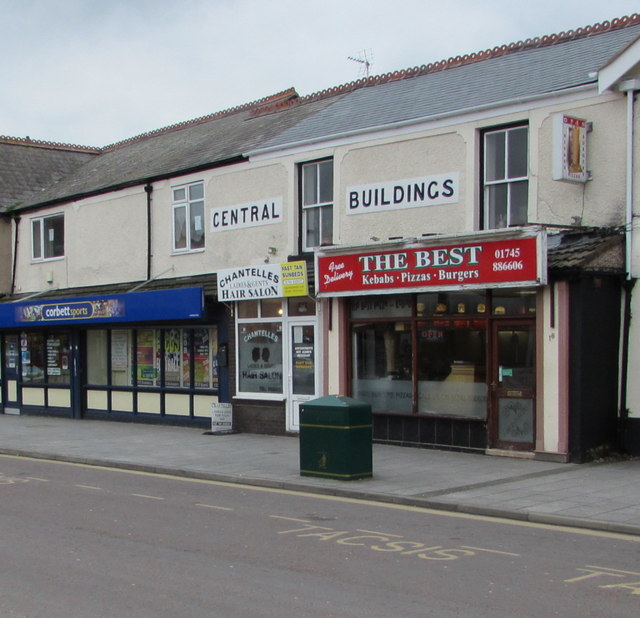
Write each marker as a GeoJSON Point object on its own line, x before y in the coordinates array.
{"type": "Point", "coordinates": [188, 252]}
{"type": "Point", "coordinates": [260, 396]}
{"type": "Point", "coordinates": [57, 258]}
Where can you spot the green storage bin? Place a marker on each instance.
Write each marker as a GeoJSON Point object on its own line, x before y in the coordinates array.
{"type": "Point", "coordinates": [336, 438]}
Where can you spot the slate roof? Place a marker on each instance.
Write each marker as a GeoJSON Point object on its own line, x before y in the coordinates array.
{"type": "Point", "coordinates": [28, 167]}
{"type": "Point", "coordinates": [594, 252]}
{"type": "Point", "coordinates": [198, 144]}
{"type": "Point", "coordinates": [207, 282]}
{"type": "Point", "coordinates": [489, 79]}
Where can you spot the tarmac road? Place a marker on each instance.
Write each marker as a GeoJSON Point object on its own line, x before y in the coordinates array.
{"type": "Point", "coordinates": [85, 541]}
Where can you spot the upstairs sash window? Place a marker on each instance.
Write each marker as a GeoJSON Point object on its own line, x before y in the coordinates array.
{"type": "Point", "coordinates": [188, 217]}
{"type": "Point", "coordinates": [506, 177]}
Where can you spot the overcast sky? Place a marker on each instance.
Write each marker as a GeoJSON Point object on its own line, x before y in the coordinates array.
{"type": "Point", "coordinates": [94, 72]}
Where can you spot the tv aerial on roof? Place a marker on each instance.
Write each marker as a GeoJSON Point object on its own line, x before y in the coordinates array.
{"type": "Point", "coordinates": [365, 60]}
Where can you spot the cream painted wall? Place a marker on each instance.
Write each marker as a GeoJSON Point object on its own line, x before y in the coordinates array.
{"type": "Point", "coordinates": [410, 158]}
{"type": "Point", "coordinates": [333, 345]}
{"type": "Point", "coordinates": [600, 201]}
{"type": "Point", "coordinates": [238, 184]}
{"type": "Point", "coordinates": [550, 402]}
{"type": "Point", "coordinates": [105, 242]}
{"type": "Point", "coordinates": [106, 235]}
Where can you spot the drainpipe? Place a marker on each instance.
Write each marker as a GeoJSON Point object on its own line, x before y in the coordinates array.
{"type": "Point", "coordinates": [15, 255]}
{"type": "Point", "coordinates": [629, 87]}
{"type": "Point", "coordinates": [148, 190]}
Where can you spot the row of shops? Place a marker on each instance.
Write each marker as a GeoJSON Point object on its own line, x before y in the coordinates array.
{"type": "Point", "coordinates": [444, 339]}
{"type": "Point", "coordinates": [463, 264]}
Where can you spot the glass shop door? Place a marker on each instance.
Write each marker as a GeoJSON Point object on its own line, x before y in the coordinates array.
{"type": "Point", "coordinates": [512, 386]}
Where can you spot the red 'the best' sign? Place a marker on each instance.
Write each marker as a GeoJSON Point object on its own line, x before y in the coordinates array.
{"type": "Point", "coordinates": [469, 264]}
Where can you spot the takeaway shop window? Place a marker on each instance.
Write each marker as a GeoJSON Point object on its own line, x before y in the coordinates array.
{"type": "Point", "coordinates": [433, 353]}
{"type": "Point", "coordinates": [188, 217]}
{"type": "Point", "coordinates": [260, 368]}
{"type": "Point", "coordinates": [45, 357]}
{"type": "Point", "coordinates": [451, 356]}
{"type": "Point", "coordinates": [169, 357]}
{"type": "Point", "coordinates": [514, 302]}
{"type": "Point", "coordinates": [47, 237]}
{"type": "Point", "coordinates": [382, 367]}
{"type": "Point", "coordinates": [451, 303]}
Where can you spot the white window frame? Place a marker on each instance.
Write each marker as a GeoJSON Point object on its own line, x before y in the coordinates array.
{"type": "Point", "coordinates": [187, 203]}
{"type": "Point", "coordinates": [38, 246]}
{"type": "Point", "coordinates": [507, 180]}
{"type": "Point", "coordinates": [324, 208]}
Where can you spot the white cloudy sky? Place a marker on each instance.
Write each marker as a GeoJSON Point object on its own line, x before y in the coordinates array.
{"type": "Point", "coordinates": [95, 72]}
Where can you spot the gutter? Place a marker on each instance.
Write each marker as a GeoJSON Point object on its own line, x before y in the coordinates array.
{"type": "Point", "coordinates": [629, 87]}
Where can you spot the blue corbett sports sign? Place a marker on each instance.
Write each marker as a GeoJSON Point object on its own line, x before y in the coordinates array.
{"type": "Point", "coordinates": [86, 310]}
{"type": "Point", "coordinates": [179, 304]}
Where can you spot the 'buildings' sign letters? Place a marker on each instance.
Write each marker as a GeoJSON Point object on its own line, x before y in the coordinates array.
{"type": "Point", "coordinates": [408, 193]}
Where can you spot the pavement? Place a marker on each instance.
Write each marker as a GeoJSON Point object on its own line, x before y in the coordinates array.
{"type": "Point", "coordinates": [600, 496]}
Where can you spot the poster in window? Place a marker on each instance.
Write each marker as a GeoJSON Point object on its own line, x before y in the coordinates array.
{"type": "Point", "coordinates": [145, 356]}
{"type": "Point", "coordinates": [201, 360]}
{"type": "Point", "coordinates": [186, 358]}
{"type": "Point", "coordinates": [119, 350]}
{"type": "Point", "coordinates": [303, 361]}
{"type": "Point", "coordinates": [54, 356]}
{"type": "Point", "coordinates": [172, 356]}
{"type": "Point", "coordinates": [213, 338]}
{"type": "Point", "coordinates": [260, 358]}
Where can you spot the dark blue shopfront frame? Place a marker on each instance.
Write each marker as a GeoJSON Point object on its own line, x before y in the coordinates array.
{"type": "Point", "coordinates": [158, 305]}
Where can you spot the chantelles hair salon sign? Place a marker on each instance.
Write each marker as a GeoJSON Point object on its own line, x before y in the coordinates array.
{"type": "Point", "coordinates": [267, 281]}
{"type": "Point", "coordinates": [497, 262]}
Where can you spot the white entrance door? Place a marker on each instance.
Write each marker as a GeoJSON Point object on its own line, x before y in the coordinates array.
{"type": "Point", "coordinates": [303, 369]}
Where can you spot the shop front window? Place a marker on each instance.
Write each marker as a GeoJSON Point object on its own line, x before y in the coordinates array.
{"type": "Point", "coordinates": [164, 358]}
{"type": "Point", "coordinates": [46, 357]}
{"type": "Point", "coordinates": [260, 361]}
{"type": "Point", "coordinates": [514, 302]}
{"type": "Point", "coordinates": [421, 354]}
{"type": "Point", "coordinates": [382, 365]}
{"type": "Point", "coordinates": [121, 358]}
{"type": "Point", "coordinates": [147, 357]}
{"type": "Point", "coordinates": [33, 357]}
{"type": "Point", "coordinates": [205, 358]}
{"type": "Point", "coordinates": [97, 366]}
{"type": "Point", "coordinates": [58, 358]}
{"type": "Point", "coordinates": [260, 357]}
{"type": "Point", "coordinates": [174, 358]}
{"type": "Point", "coordinates": [452, 368]}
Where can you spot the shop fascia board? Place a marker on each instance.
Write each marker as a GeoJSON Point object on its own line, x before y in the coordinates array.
{"type": "Point", "coordinates": [435, 241]}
